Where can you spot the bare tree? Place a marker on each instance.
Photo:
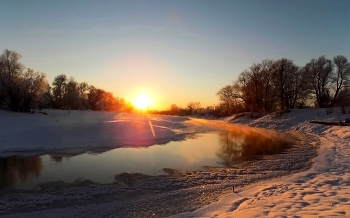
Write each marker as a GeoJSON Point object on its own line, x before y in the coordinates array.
{"type": "Point", "coordinates": [302, 87]}
{"type": "Point", "coordinates": [71, 98]}
{"type": "Point", "coordinates": [242, 89]}
{"type": "Point", "coordinates": [95, 96]}
{"type": "Point", "coordinates": [21, 89]}
{"type": "Point", "coordinates": [83, 88]}
{"type": "Point", "coordinates": [284, 71]}
{"type": "Point", "coordinates": [227, 98]}
{"type": "Point", "coordinates": [10, 73]}
{"type": "Point", "coordinates": [341, 77]}
{"type": "Point", "coordinates": [269, 91]}
{"type": "Point", "coordinates": [255, 87]}
{"type": "Point", "coordinates": [193, 107]}
{"type": "Point", "coordinates": [49, 96]}
{"type": "Point", "coordinates": [58, 88]}
{"type": "Point", "coordinates": [32, 88]}
{"type": "Point", "coordinates": [319, 76]}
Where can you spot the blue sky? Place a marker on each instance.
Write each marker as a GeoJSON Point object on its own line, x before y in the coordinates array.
{"type": "Point", "coordinates": [175, 51]}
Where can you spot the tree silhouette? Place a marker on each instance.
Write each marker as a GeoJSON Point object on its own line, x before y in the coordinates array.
{"type": "Point", "coordinates": [285, 79]}
{"type": "Point", "coordinates": [227, 98]}
{"type": "Point", "coordinates": [341, 77]}
{"type": "Point", "coordinates": [319, 75]}
{"type": "Point", "coordinates": [10, 73]}
{"type": "Point", "coordinates": [19, 89]}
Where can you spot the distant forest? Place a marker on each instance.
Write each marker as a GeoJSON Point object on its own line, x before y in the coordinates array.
{"type": "Point", "coordinates": [269, 86]}
{"type": "Point", "coordinates": [280, 85]}
{"type": "Point", "coordinates": [23, 89]}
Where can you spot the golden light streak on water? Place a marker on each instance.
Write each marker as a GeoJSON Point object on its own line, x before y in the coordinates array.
{"type": "Point", "coordinates": [151, 126]}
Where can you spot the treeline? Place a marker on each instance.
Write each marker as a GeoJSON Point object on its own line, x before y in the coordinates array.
{"type": "Point", "coordinates": [69, 94]}
{"type": "Point", "coordinates": [23, 89]}
{"type": "Point", "coordinates": [274, 85]}
{"type": "Point", "coordinates": [280, 85]}
{"type": "Point", "coordinates": [192, 108]}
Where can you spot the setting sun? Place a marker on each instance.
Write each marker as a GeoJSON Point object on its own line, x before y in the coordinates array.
{"type": "Point", "coordinates": [142, 101]}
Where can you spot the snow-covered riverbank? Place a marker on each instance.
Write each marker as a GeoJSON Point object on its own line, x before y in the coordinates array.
{"type": "Point", "coordinates": [326, 181]}
{"type": "Point", "coordinates": [323, 190]}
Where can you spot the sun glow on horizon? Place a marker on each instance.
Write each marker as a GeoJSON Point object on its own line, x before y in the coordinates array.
{"type": "Point", "coordinates": [142, 101]}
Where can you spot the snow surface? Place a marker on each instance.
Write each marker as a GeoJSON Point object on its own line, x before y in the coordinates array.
{"type": "Point", "coordinates": [323, 190]}
{"type": "Point", "coordinates": [77, 131]}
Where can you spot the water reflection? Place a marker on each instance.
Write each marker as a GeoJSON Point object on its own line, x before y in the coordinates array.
{"type": "Point", "coordinates": [14, 170]}
{"type": "Point", "coordinates": [57, 159]}
{"type": "Point", "coordinates": [235, 146]}
{"type": "Point", "coordinates": [209, 149]}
